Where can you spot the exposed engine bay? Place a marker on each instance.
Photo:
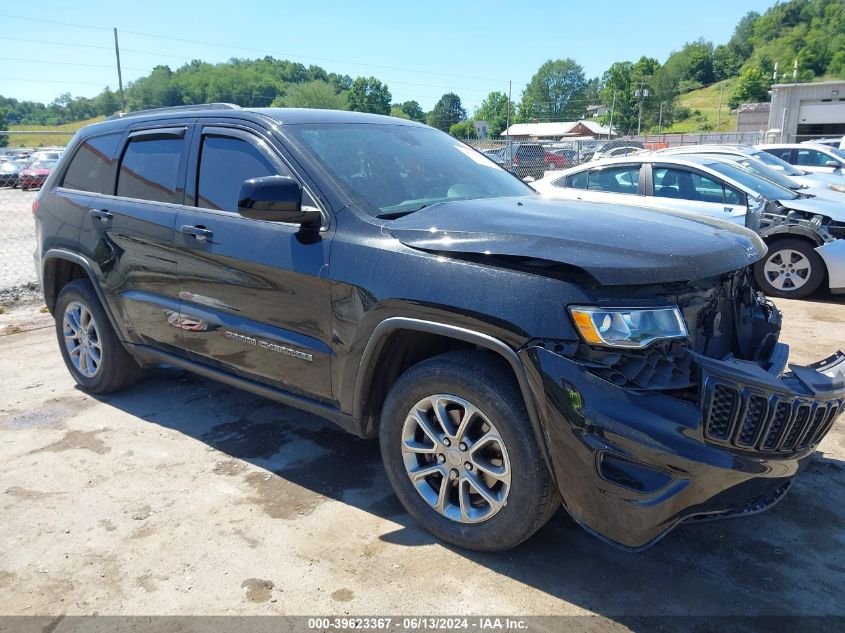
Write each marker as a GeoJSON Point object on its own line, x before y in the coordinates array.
{"type": "Point", "coordinates": [726, 317]}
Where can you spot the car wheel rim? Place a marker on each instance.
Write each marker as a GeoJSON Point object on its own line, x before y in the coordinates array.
{"type": "Point", "coordinates": [82, 339]}
{"type": "Point", "coordinates": [456, 459]}
{"type": "Point", "coordinates": [787, 270]}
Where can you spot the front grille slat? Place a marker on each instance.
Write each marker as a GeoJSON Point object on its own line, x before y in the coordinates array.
{"type": "Point", "coordinates": [751, 420]}
{"type": "Point", "coordinates": [782, 416]}
{"type": "Point", "coordinates": [817, 419]}
{"type": "Point", "coordinates": [802, 416]}
{"type": "Point", "coordinates": [772, 423]}
{"type": "Point", "coordinates": [723, 408]}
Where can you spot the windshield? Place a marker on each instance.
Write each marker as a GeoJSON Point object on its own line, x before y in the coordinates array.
{"type": "Point", "coordinates": [391, 170]}
{"type": "Point", "coordinates": [777, 163]}
{"type": "Point", "coordinates": [767, 188]}
{"type": "Point", "coordinates": [757, 167]}
{"type": "Point", "coordinates": [42, 165]}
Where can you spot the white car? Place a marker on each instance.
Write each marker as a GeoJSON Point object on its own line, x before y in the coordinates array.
{"type": "Point", "coordinates": [805, 235]}
{"type": "Point", "coordinates": [817, 158]}
{"type": "Point", "coordinates": [814, 182]}
{"type": "Point", "coordinates": [833, 141]}
{"type": "Point", "coordinates": [798, 184]}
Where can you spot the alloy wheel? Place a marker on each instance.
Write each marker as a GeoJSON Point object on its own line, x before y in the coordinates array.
{"type": "Point", "coordinates": [456, 458]}
{"type": "Point", "coordinates": [82, 339]}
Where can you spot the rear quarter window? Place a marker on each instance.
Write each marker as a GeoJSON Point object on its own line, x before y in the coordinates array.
{"type": "Point", "coordinates": [576, 181]}
{"type": "Point", "coordinates": [90, 165]}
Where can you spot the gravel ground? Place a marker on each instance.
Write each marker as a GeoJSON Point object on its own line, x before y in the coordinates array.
{"type": "Point", "coordinates": [182, 496]}
{"type": "Point", "coordinates": [17, 240]}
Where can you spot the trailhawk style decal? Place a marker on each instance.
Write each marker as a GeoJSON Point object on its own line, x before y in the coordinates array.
{"type": "Point", "coordinates": [281, 349]}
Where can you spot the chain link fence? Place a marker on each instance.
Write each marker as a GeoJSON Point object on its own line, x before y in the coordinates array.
{"type": "Point", "coordinates": [23, 168]}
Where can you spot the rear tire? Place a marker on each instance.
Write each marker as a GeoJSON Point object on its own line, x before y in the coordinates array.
{"type": "Point", "coordinates": [791, 269]}
{"type": "Point", "coordinates": [90, 348]}
{"type": "Point", "coordinates": [486, 488]}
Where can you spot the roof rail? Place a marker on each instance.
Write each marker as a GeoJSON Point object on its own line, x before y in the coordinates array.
{"type": "Point", "coordinates": [182, 108]}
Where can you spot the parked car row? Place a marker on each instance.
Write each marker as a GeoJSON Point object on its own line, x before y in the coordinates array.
{"type": "Point", "coordinates": [27, 170]}
{"type": "Point", "coordinates": [800, 216]}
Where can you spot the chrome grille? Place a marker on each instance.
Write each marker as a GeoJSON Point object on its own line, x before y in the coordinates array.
{"type": "Point", "coordinates": [753, 420]}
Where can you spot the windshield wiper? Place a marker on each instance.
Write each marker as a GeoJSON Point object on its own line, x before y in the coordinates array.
{"type": "Point", "coordinates": [393, 215]}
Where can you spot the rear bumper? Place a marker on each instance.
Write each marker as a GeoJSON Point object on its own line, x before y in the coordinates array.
{"type": "Point", "coordinates": [632, 465]}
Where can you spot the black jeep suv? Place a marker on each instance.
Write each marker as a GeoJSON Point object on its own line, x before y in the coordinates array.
{"type": "Point", "coordinates": [508, 352]}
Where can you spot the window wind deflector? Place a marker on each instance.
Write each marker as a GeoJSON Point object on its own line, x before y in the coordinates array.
{"type": "Point", "coordinates": [160, 132]}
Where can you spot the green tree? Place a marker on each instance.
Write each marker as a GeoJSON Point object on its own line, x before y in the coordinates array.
{"type": "Point", "coordinates": [398, 112]}
{"type": "Point", "coordinates": [107, 102]}
{"type": "Point", "coordinates": [494, 109]}
{"type": "Point", "coordinates": [368, 94]}
{"type": "Point", "coordinates": [464, 129]}
{"type": "Point", "coordinates": [752, 87]}
{"type": "Point", "coordinates": [447, 111]}
{"type": "Point", "coordinates": [556, 92]}
{"type": "Point", "coordinates": [413, 111]}
{"type": "Point", "coordinates": [312, 94]}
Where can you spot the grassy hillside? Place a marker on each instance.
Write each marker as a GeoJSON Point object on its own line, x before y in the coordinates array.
{"type": "Point", "coordinates": [704, 104]}
{"type": "Point", "coordinates": [45, 137]}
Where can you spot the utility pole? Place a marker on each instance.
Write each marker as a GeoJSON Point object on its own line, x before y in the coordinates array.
{"type": "Point", "coordinates": [612, 107]}
{"type": "Point", "coordinates": [660, 119]}
{"type": "Point", "coordinates": [641, 93]}
{"type": "Point", "coordinates": [719, 111]}
{"type": "Point", "coordinates": [508, 119]}
{"type": "Point", "coordinates": [119, 74]}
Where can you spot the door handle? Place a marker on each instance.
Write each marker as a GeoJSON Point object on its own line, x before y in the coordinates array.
{"type": "Point", "coordinates": [199, 232]}
{"type": "Point", "coordinates": [102, 214]}
{"type": "Point", "coordinates": [728, 209]}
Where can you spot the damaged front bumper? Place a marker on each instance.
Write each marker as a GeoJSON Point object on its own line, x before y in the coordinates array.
{"type": "Point", "coordinates": [632, 464]}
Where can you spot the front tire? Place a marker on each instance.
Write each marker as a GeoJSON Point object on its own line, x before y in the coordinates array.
{"type": "Point", "coordinates": [791, 269]}
{"type": "Point", "coordinates": [90, 348]}
{"type": "Point", "coordinates": [461, 455]}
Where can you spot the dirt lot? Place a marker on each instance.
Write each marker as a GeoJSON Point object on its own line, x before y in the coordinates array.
{"type": "Point", "coordinates": [181, 496]}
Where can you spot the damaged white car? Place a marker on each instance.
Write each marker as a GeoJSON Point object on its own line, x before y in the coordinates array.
{"type": "Point", "coordinates": [805, 235]}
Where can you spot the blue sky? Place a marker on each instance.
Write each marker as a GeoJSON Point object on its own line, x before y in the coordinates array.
{"type": "Point", "coordinates": [420, 49]}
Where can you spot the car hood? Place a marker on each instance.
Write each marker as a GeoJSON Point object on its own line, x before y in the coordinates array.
{"type": "Point", "coordinates": [35, 172]}
{"type": "Point", "coordinates": [615, 244]}
{"type": "Point", "coordinates": [833, 209]}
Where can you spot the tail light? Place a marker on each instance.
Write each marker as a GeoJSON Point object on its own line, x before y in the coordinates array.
{"type": "Point", "coordinates": [35, 204]}
{"type": "Point", "coordinates": [516, 161]}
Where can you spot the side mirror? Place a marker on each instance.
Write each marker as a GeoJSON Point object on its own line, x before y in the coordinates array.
{"type": "Point", "coordinates": [276, 199]}
{"type": "Point", "coordinates": [832, 163]}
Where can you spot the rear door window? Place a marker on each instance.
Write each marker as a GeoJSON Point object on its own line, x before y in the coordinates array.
{"type": "Point", "coordinates": [89, 168]}
{"type": "Point", "coordinates": [615, 179]}
{"type": "Point", "coordinates": [150, 168]}
{"type": "Point", "coordinates": [781, 152]}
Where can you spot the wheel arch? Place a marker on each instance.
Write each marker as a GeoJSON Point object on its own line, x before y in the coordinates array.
{"type": "Point", "coordinates": [785, 231]}
{"type": "Point", "coordinates": [372, 385]}
{"type": "Point", "coordinates": [58, 268]}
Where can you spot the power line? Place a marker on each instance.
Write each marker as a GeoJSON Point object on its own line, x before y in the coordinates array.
{"type": "Point", "coordinates": [52, 81]}
{"type": "Point", "coordinates": [255, 50]}
{"type": "Point", "coordinates": [53, 61]}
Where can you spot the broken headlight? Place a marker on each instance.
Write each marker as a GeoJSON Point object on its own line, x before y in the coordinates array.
{"type": "Point", "coordinates": [627, 327]}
